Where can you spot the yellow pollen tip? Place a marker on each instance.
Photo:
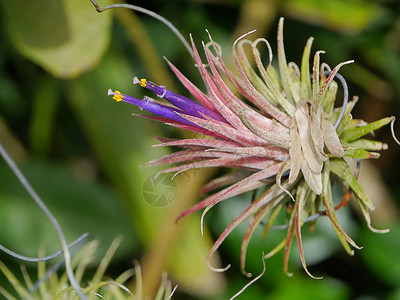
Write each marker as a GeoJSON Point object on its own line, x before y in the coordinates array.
{"type": "Point", "coordinates": [118, 97]}
{"type": "Point", "coordinates": [143, 82]}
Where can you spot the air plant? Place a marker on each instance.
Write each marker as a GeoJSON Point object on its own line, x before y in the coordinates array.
{"type": "Point", "coordinates": [277, 131]}
{"type": "Point", "coordinates": [51, 285]}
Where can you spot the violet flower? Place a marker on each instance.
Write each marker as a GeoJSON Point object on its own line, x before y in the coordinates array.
{"type": "Point", "coordinates": [281, 134]}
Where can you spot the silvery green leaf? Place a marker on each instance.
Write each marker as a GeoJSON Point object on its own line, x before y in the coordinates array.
{"type": "Point", "coordinates": [331, 138]}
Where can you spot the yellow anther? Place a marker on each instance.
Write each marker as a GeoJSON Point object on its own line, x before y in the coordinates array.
{"type": "Point", "coordinates": [117, 97]}
{"type": "Point", "coordinates": [143, 82]}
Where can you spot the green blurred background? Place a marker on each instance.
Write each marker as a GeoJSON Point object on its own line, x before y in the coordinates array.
{"type": "Point", "coordinates": [85, 154]}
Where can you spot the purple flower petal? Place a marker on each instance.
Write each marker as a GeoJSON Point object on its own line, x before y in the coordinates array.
{"type": "Point", "coordinates": [152, 107]}
{"type": "Point", "coordinates": [187, 105]}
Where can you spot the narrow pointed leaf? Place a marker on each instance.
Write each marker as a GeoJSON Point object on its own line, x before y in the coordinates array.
{"type": "Point", "coordinates": [287, 82]}
{"type": "Point", "coordinates": [13, 280]}
{"type": "Point", "coordinates": [271, 137]}
{"type": "Point", "coordinates": [248, 235]}
{"type": "Point", "coordinates": [269, 198]}
{"type": "Point", "coordinates": [330, 211]}
{"type": "Point", "coordinates": [274, 88]}
{"type": "Point", "coordinates": [298, 223]}
{"type": "Point", "coordinates": [254, 78]}
{"type": "Point", "coordinates": [331, 139]}
{"type": "Point", "coordinates": [340, 168]}
{"type": "Point", "coordinates": [360, 153]}
{"type": "Point", "coordinates": [368, 145]}
{"type": "Point", "coordinates": [313, 179]}
{"type": "Point", "coordinates": [295, 152]}
{"type": "Point", "coordinates": [305, 66]}
{"type": "Point", "coordinates": [367, 217]}
{"type": "Point", "coordinates": [355, 133]}
{"type": "Point", "coordinates": [330, 97]}
{"type": "Point", "coordinates": [272, 217]}
{"type": "Point", "coordinates": [276, 249]}
{"type": "Point", "coordinates": [317, 134]}
{"type": "Point", "coordinates": [288, 244]}
{"type": "Point", "coordinates": [307, 143]}
{"type": "Point", "coordinates": [316, 75]}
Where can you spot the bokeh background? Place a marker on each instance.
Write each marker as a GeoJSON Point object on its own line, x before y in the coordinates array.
{"type": "Point", "coordinates": [85, 154]}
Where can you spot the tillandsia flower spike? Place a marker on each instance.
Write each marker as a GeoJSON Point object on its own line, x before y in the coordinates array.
{"type": "Point", "coordinates": [281, 134]}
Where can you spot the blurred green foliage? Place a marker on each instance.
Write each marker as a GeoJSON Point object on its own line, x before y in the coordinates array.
{"type": "Point", "coordinates": [83, 152]}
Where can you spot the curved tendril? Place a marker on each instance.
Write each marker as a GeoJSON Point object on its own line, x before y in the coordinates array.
{"type": "Point", "coordinates": [54, 268]}
{"type": "Point", "coordinates": [327, 71]}
{"type": "Point", "coordinates": [252, 281]}
{"type": "Point", "coordinates": [295, 68]}
{"type": "Point", "coordinates": [214, 45]}
{"type": "Point", "coordinates": [392, 129]}
{"type": "Point", "coordinates": [67, 256]}
{"type": "Point", "coordinates": [345, 97]}
{"type": "Point", "coordinates": [357, 168]}
{"type": "Point", "coordinates": [46, 258]}
{"type": "Point", "coordinates": [270, 53]}
{"type": "Point", "coordinates": [285, 226]}
{"type": "Point", "coordinates": [149, 13]}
